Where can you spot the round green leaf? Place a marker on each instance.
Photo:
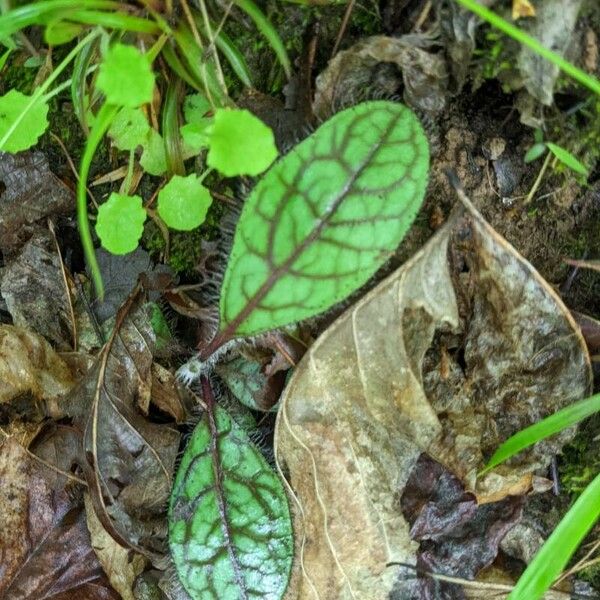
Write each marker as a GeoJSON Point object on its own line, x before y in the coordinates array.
{"type": "Point", "coordinates": [59, 32]}
{"type": "Point", "coordinates": [195, 107]}
{"type": "Point", "coordinates": [230, 530]}
{"type": "Point", "coordinates": [120, 223]}
{"type": "Point", "coordinates": [125, 76]}
{"type": "Point", "coordinates": [240, 143]}
{"type": "Point", "coordinates": [29, 129]}
{"type": "Point", "coordinates": [153, 159]}
{"type": "Point", "coordinates": [183, 203]}
{"type": "Point", "coordinates": [129, 128]}
{"type": "Point", "coordinates": [325, 218]}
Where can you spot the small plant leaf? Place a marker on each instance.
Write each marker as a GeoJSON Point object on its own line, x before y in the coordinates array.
{"type": "Point", "coordinates": [534, 152]}
{"type": "Point", "coordinates": [230, 529]}
{"type": "Point", "coordinates": [153, 159]}
{"type": "Point", "coordinates": [195, 136]}
{"type": "Point", "coordinates": [240, 143]}
{"type": "Point", "coordinates": [59, 32]}
{"type": "Point", "coordinates": [183, 203]}
{"type": "Point", "coordinates": [195, 107]}
{"type": "Point", "coordinates": [129, 129]}
{"type": "Point", "coordinates": [125, 76]}
{"type": "Point", "coordinates": [120, 223]}
{"type": "Point", "coordinates": [32, 125]}
{"type": "Point", "coordinates": [567, 159]}
{"type": "Point", "coordinates": [325, 218]}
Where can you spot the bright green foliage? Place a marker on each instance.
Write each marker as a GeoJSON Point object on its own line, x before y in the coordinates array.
{"type": "Point", "coordinates": [554, 555]}
{"type": "Point", "coordinates": [59, 32]}
{"type": "Point", "coordinates": [33, 124]}
{"type": "Point", "coordinates": [325, 218]}
{"type": "Point", "coordinates": [535, 152]}
{"type": "Point", "coordinates": [184, 202]}
{"type": "Point", "coordinates": [120, 223]}
{"type": "Point", "coordinates": [153, 159]}
{"type": "Point", "coordinates": [195, 108]}
{"type": "Point", "coordinates": [230, 530]}
{"type": "Point", "coordinates": [129, 129]}
{"type": "Point", "coordinates": [125, 76]}
{"type": "Point", "coordinates": [567, 158]}
{"type": "Point", "coordinates": [240, 143]}
{"type": "Point", "coordinates": [542, 429]}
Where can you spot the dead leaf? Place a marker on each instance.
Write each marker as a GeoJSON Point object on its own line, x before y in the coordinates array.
{"type": "Point", "coordinates": [377, 66]}
{"type": "Point", "coordinates": [45, 549]}
{"type": "Point", "coordinates": [522, 8]}
{"type": "Point", "coordinates": [29, 192]}
{"type": "Point", "coordinates": [30, 371]}
{"type": "Point", "coordinates": [120, 564]}
{"type": "Point", "coordinates": [553, 27]}
{"type": "Point", "coordinates": [33, 288]}
{"type": "Point", "coordinates": [454, 352]}
{"type": "Point", "coordinates": [166, 396]}
{"type": "Point", "coordinates": [129, 460]}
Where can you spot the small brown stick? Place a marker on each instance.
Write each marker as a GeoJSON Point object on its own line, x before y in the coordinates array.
{"type": "Point", "coordinates": [343, 26]}
{"type": "Point", "coordinates": [66, 284]}
{"type": "Point", "coordinates": [422, 16]}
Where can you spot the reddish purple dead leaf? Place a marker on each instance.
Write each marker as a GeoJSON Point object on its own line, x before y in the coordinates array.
{"type": "Point", "coordinates": [45, 550]}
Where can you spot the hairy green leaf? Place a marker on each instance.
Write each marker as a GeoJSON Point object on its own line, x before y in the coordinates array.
{"type": "Point", "coordinates": [567, 158]}
{"type": "Point", "coordinates": [120, 223]}
{"type": "Point", "coordinates": [230, 530]}
{"type": "Point", "coordinates": [32, 125]}
{"type": "Point", "coordinates": [183, 203]}
{"type": "Point", "coordinates": [125, 76]}
{"type": "Point", "coordinates": [325, 218]}
{"type": "Point", "coordinates": [129, 129]}
{"type": "Point", "coordinates": [240, 143]}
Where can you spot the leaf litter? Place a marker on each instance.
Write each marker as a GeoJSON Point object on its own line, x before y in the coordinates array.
{"type": "Point", "coordinates": [458, 349]}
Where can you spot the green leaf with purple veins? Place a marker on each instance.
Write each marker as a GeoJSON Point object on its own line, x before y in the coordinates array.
{"type": "Point", "coordinates": [325, 218]}
{"type": "Point", "coordinates": [230, 530]}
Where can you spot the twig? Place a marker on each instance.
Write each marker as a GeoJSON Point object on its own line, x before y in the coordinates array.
{"type": "Point", "coordinates": [343, 26]}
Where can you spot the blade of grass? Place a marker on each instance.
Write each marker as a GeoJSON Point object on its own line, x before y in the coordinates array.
{"type": "Point", "coordinates": [549, 426]}
{"type": "Point", "coordinates": [519, 35]}
{"type": "Point", "coordinates": [113, 20]}
{"type": "Point", "coordinates": [268, 31]}
{"type": "Point", "coordinates": [554, 555]}
{"type": "Point", "coordinates": [78, 83]}
{"type": "Point", "coordinates": [170, 128]}
{"type": "Point", "coordinates": [38, 13]}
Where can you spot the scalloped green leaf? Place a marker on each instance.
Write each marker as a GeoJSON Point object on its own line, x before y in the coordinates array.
{"type": "Point", "coordinates": [120, 223]}
{"type": "Point", "coordinates": [325, 218]}
{"type": "Point", "coordinates": [195, 108]}
{"type": "Point", "coordinates": [184, 202]}
{"type": "Point", "coordinates": [240, 143]}
{"type": "Point", "coordinates": [125, 76]}
{"type": "Point", "coordinates": [129, 128]}
{"type": "Point", "coordinates": [230, 530]}
{"type": "Point", "coordinates": [31, 127]}
{"type": "Point", "coordinates": [153, 159]}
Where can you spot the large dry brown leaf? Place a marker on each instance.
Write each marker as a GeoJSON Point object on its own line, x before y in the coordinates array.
{"type": "Point", "coordinates": [457, 350]}
{"type": "Point", "coordinates": [130, 460]}
{"type": "Point", "coordinates": [45, 550]}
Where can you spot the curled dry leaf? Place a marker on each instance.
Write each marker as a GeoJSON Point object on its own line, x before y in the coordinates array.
{"type": "Point", "coordinates": [371, 66]}
{"type": "Point", "coordinates": [45, 549]}
{"type": "Point", "coordinates": [121, 565]}
{"type": "Point", "coordinates": [453, 353]}
{"type": "Point", "coordinates": [30, 369]}
{"type": "Point", "coordinates": [129, 459]}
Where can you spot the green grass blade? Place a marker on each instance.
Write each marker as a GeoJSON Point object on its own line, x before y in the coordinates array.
{"type": "Point", "coordinates": [268, 31]}
{"type": "Point", "coordinates": [524, 38]}
{"type": "Point", "coordinates": [38, 13]}
{"type": "Point", "coordinates": [170, 128]}
{"type": "Point", "coordinates": [554, 555]}
{"type": "Point", "coordinates": [567, 158]}
{"type": "Point", "coordinates": [103, 120]}
{"type": "Point", "coordinates": [549, 426]}
{"type": "Point", "coordinates": [234, 57]}
{"type": "Point", "coordinates": [114, 20]}
{"type": "Point", "coordinates": [78, 83]}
